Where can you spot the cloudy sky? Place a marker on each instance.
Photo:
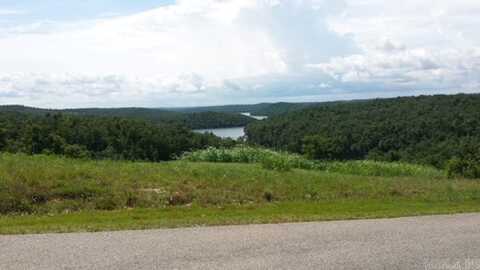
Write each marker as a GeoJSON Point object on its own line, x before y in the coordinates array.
{"type": "Point", "coordinates": [157, 53]}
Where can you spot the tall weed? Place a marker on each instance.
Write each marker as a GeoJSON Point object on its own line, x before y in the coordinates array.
{"type": "Point", "coordinates": [283, 161]}
{"type": "Point", "coordinates": [269, 159]}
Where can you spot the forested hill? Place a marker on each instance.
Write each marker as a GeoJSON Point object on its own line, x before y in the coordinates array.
{"type": "Point", "coordinates": [425, 129]}
{"type": "Point", "coordinates": [98, 137]}
{"type": "Point", "coordinates": [261, 109]}
{"type": "Point", "coordinates": [192, 117]}
{"type": "Point", "coordinates": [194, 120]}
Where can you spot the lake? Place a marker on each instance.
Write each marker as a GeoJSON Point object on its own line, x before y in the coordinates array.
{"type": "Point", "coordinates": [233, 133]}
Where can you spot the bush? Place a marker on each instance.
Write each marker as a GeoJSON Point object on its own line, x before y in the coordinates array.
{"type": "Point", "coordinates": [237, 154]}
{"type": "Point", "coordinates": [278, 163]}
{"type": "Point", "coordinates": [77, 151]}
{"type": "Point", "coordinates": [463, 168]}
{"type": "Point", "coordinates": [269, 159]}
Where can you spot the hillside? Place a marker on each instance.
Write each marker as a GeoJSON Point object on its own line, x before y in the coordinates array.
{"type": "Point", "coordinates": [427, 129]}
{"type": "Point", "coordinates": [262, 109]}
{"type": "Point", "coordinates": [193, 120]}
{"type": "Point", "coordinates": [192, 117]}
{"type": "Point", "coordinates": [98, 137]}
{"type": "Point", "coordinates": [54, 194]}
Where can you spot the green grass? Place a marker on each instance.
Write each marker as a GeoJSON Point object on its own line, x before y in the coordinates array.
{"type": "Point", "coordinates": [53, 194]}
{"type": "Point", "coordinates": [377, 168]}
{"type": "Point", "coordinates": [284, 161]}
{"type": "Point", "coordinates": [139, 219]}
{"type": "Point", "coordinates": [239, 154]}
{"type": "Point", "coordinates": [269, 159]}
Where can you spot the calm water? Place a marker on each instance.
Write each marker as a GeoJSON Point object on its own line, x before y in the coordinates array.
{"type": "Point", "coordinates": [233, 133]}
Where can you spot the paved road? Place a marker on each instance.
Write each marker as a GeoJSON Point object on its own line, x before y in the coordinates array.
{"type": "Point", "coordinates": [441, 242]}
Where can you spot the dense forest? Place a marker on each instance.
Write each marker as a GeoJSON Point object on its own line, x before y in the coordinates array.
{"type": "Point", "coordinates": [98, 137]}
{"type": "Point", "coordinates": [437, 130]}
{"type": "Point", "coordinates": [192, 117]}
{"type": "Point", "coordinates": [193, 120]}
{"type": "Point", "coordinates": [261, 109]}
{"type": "Point", "coordinates": [443, 131]}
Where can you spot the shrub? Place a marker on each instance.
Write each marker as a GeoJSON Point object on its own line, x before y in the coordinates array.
{"type": "Point", "coordinates": [237, 154]}
{"type": "Point", "coordinates": [457, 167]}
{"type": "Point", "coordinates": [278, 163]}
{"type": "Point", "coordinates": [269, 159]}
{"type": "Point", "coordinates": [77, 151]}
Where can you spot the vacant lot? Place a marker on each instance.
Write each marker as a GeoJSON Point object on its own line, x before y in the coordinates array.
{"type": "Point", "coordinates": [52, 194]}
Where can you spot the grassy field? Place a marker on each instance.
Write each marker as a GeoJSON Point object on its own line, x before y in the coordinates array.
{"type": "Point", "coordinates": [284, 161]}
{"type": "Point", "coordinates": [53, 194]}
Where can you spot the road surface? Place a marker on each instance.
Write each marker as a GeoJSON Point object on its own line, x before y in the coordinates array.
{"type": "Point", "coordinates": [438, 242]}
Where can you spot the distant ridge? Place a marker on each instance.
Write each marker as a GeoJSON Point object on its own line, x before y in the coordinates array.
{"type": "Point", "coordinates": [431, 130]}
{"type": "Point", "coordinates": [202, 117]}
{"type": "Point", "coordinates": [193, 120]}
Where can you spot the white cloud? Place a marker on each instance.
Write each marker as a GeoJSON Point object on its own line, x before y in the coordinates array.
{"type": "Point", "coordinates": [216, 51]}
{"type": "Point", "coordinates": [413, 68]}
{"type": "Point", "coordinates": [389, 46]}
{"type": "Point", "coordinates": [426, 23]}
{"type": "Point", "coordinates": [103, 90]}
{"type": "Point", "coordinates": [216, 41]}
{"type": "Point", "coordinates": [428, 46]}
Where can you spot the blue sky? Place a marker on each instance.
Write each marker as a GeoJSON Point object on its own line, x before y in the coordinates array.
{"type": "Point", "coordinates": [112, 53]}
{"type": "Point", "coordinates": [67, 10]}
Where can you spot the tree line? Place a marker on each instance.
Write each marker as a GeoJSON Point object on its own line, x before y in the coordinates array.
{"type": "Point", "coordinates": [193, 120]}
{"type": "Point", "coordinates": [443, 131]}
{"type": "Point", "coordinates": [260, 109]}
{"type": "Point", "coordinates": [98, 137]}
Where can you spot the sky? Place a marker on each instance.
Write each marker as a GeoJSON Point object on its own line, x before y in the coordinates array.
{"type": "Point", "coordinates": [165, 53]}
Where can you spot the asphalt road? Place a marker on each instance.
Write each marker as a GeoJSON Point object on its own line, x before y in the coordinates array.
{"type": "Point", "coordinates": [440, 242]}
